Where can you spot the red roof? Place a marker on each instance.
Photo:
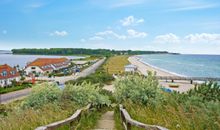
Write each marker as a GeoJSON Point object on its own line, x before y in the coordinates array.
{"type": "Point", "coordinates": [8, 72]}
{"type": "Point", "coordinates": [42, 62]}
{"type": "Point", "coordinates": [47, 61]}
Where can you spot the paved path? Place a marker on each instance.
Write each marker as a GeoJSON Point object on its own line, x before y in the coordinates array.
{"type": "Point", "coordinates": [8, 97]}
{"type": "Point", "coordinates": [106, 122]}
{"type": "Point", "coordinates": [5, 98]}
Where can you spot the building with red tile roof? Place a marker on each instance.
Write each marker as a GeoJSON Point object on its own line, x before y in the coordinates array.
{"type": "Point", "coordinates": [46, 65]}
{"type": "Point", "coordinates": [7, 75]}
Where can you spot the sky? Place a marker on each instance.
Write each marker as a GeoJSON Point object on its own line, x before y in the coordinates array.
{"type": "Point", "coordinates": [186, 26]}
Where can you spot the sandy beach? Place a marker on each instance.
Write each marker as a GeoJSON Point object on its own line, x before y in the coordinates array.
{"type": "Point", "coordinates": [144, 68]}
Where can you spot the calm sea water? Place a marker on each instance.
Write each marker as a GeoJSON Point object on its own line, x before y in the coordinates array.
{"type": "Point", "coordinates": [187, 65]}
{"type": "Point", "coordinates": [22, 60]}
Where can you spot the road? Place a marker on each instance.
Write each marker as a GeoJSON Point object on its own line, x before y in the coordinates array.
{"type": "Point", "coordinates": [8, 97]}
{"type": "Point", "coordinates": [4, 98]}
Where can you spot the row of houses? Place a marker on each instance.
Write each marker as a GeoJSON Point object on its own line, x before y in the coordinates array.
{"type": "Point", "coordinates": [9, 74]}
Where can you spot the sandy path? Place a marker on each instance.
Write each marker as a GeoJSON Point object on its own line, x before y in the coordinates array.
{"type": "Point", "coordinates": [106, 122]}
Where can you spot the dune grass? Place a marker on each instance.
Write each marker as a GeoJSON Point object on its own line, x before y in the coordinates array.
{"type": "Point", "coordinates": [198, 109]}
{"type": "Point", "coordinates": [115, 64]}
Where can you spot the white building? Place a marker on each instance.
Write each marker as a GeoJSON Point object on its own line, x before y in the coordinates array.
{"type": "Point", "coordinates": [46, 65]}
{"type": "Point", "coordinates": [7, 75]}
{"type": "Point", "coordinates": [130, 68]}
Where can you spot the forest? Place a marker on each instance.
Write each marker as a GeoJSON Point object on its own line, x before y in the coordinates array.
{"type": "Point", "coordinates": [81, 51]}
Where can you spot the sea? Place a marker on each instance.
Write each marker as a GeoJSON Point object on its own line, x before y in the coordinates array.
{"type": "Point", "coordinates": [185, 64]}
{"type": "Point", "coordinates": [22, 60]}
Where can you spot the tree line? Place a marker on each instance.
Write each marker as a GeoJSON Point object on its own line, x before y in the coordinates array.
{"type": "Point", "coordinates": [81, 51]}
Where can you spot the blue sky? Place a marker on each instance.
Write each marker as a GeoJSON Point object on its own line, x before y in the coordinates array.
{"type": "Point", "coordinates": [188, 26]}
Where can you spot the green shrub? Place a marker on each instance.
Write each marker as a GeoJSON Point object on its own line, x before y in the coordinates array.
{"type": "Point", "coordinates": [42, 94]}
{"type": "Point", "coordinates": [207, 92]}
{"type": "Point", "coordinates": [138, 89]}
{"type": "Point", "coordinates": [84, 94]}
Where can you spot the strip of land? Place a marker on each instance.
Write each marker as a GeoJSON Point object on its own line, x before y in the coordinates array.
{"type": "Point", "coordinates": [144, 68]}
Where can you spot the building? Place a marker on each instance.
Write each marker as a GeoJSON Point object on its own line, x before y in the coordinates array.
{"type": "Point", "coordinates": [130, 68]}
{"type": "Point", "coordinates": [46, 65]}
{"type": "Point", "coordinates": [7, 75]}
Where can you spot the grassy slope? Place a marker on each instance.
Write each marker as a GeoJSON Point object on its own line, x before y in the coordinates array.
{"type": "Point", "coordinates": [30, 118]}
{"type": "Point", "coordinates": [115, 64]}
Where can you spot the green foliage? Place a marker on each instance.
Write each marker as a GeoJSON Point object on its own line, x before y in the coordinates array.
{"type": "Point", "coordinates": [197, 109]}
{"type": "Point", "coordinates": [84, 94]}
{"type": "Point", "coordinates": [100, 77]}
{"type": "Point", "coordinates": [81, 51]}
{"type": "Point", "coordinates": [138, 89]}
{"type": "Point", "coordinates": [207, 92]}
{"type": "Point", "coordinates": [14, 88]}
{"type": "Point", "coordinates": [42, 94]}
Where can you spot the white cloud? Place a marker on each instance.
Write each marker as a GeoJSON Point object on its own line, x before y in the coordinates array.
{"type": "Point", "coordinates": [131, 20]}
{"type": "Point", "coordinates": [36, 5]}
{"type": "Point", "coordinates": [4, 32]}
{"type": "Point", "coordinates": [134, 34]}
{"type": "Point", "coordinates": [123, 3]}
{"type": "Point", "coordinates": [203, 37]}
{"type": "Point", "coordinates": [110, 34]}
{"type": "Point", "coordinates": [194, 7]}
{"type": "Point", "coordinates": [167, 38]}
{"type": "Point", "coordinates": [82, 40]}
{"type": "Point", "coordinates": [96, 38]}
{"type": "Point", "coordinates": [59, 33]}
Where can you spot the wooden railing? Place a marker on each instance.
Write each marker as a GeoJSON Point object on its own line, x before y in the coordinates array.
{"type": "Point", "coordinates": [128, 122]}
{"type": "Point", "coordinates": [191, 79]}
{"type": "Point", "coordinates": [69, 121]}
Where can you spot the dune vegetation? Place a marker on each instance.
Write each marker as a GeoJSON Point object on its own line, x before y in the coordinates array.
{"type": "Point", "coordinates": [47, 103]}
{"type": "Point", "coordinates": [197, 109]}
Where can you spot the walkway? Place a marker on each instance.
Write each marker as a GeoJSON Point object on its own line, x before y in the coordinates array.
{"type": "Point", "coordinates": [106, 122]}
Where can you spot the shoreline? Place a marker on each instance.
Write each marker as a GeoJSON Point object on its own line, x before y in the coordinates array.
{"type": "Point", "coordinates": [143, 67]}
{"type": "Point", "coordinates": [159, 69]}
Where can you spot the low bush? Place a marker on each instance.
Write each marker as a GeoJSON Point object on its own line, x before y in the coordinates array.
{"type": "Point", "coordinates": [138, 89]}
{"type": "Point", "coordinates": [100, 77]}
{"type": "Point", "coordinates": [84, 94]}
{"type": "Point", "coordinates": [42, 94]}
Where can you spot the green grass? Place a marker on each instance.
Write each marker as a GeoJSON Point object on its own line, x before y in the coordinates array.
{"type": "Point", "coordinates": [115, 64]}
{"type": "Point", "coordinates": [14, 88]}
{"type": "Point", "coordinates": [198, 109]}
{"type": "Point", "coordinates": [31, 118]}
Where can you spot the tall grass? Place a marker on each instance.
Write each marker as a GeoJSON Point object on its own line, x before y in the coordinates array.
{"type": "Point", "coordinates": [115, 64]}
{"type": "Point", "coordinates": [198, 109]}
{"type": "Point", "coordinates": [47, 104]}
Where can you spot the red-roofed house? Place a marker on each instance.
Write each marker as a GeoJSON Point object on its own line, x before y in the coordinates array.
{"type": "Point", "coordinates": [7, 75]}
{"type": "Point", "coordinates": [46, 65]}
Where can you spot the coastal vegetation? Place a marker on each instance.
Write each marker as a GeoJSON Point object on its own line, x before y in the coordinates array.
{"type": "Point", "coordinates": [82, 51]}
{"type": "Point", "coordinates": [48, 103]}
{"type": "Point", "coordinates": [146, 102]}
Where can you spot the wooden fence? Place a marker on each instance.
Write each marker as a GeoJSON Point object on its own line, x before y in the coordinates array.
{"type": "Point", "coordinates": [128, 122]}
{"type": "Point", "coordinates": [191, 79]}
{"type": "Point", "coordinates": [69, 121]}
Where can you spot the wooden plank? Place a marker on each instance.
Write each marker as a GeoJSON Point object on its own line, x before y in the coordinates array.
{"type": "Point", "coordinates": [57, 124]}
{"type": "Point", "coordinates": [188, 78]}
{"type": "Point", "coordinates": [129, 121]}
